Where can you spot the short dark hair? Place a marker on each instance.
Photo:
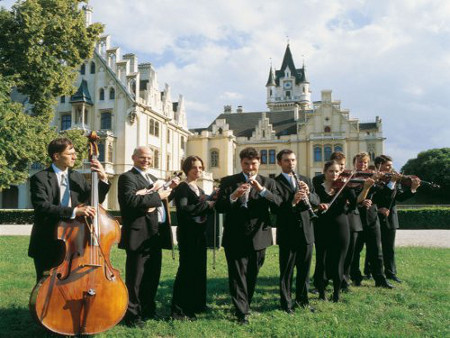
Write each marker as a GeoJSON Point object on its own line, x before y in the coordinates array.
{"type": "Point", "coordinates": [58, 145]}
{"type": "Point", "coordinates": [283, 152]}
{"type": "Point", "coordinates": [189, 161]}
{"type": "Point", "coordinates": [329, 164]}
{"type": "Point", "coordinates": [382, 159]}
{"type": "Point", "coordinates": [249, 153]}
{"type": "Point", "coordinates": [337, 155]}
{"type": "Point", "coordinates": [360, 156]}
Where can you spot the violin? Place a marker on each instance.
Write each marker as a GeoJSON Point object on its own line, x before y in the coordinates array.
{"type": "Point", "coordinates": [84, 295]}
{"type": "Point", "coordinates": [406, 180]}
{"type": "Point", "coordinates": [352, 179]}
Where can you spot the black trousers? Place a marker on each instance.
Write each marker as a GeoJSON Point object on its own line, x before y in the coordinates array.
{"type": "Point", "coordinates": [388, 246]}
{"type": "Point", "coordinates": [142, 273]}
{"type": "Point", "coordinates": [243, 268]}
{"type": "Point", "coordinates": [371, 236]}
{"type": "Point", "coordinates": [350, 255]}
{"type": "Point", "coordinates": [338, 240]}
{"type": "Point", "coordinates": [290, 258]}
{"type": "Point", "coordinates": [189, 289]}
{"type": "Point", "coordinates": [320, 237]}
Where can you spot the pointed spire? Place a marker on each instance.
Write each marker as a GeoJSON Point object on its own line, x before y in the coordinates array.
{"type": "Point", "coordinates": [271, 80]}
{"type": "Point", "coordinates": [287, 60]}
{"type": "Point", "coordinates": [82, 94]}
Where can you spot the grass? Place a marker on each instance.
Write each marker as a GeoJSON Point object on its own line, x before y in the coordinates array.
{"type": "Point", "coordinates": [418, 307]}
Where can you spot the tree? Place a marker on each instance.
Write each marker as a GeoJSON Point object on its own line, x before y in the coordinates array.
{"type": "Point", "coordinates": [433, 166]}
{"type": "Point", "coordinates": [42, 45]}
{"type": "Point", "coordinates": [23, 138]}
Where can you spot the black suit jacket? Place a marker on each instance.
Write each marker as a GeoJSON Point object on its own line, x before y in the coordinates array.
{"type": "Point", "coordinates": [386, 198]}
{"type": "Point", "coordinates": [294, 225]}
{"type": "Point", "coordinates": [247, 228]}
{"type": "Point", "coordinates": [138, 225]}
{"type": "Point", "coordinates": [45, 197]}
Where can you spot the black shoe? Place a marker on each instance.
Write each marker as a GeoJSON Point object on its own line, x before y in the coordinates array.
{"type": "Point", "coordinates": [356, 282]}
{"type": "Point", "coordinates": [242, 320]}
{"type": "Point", "coordinates": [394, 278]}
{"type": "Point", "coordinates": [134, 322]}
{"type": "Point", "coordinates": [384, 284]}
{"type": "Point", "coordinates": [322, 295]}
{"type": "Point", "coordinates": [306, 306]}
{"type": "Point", "coordinates": [335, 297]}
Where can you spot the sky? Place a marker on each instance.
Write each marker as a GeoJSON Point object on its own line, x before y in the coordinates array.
{"type": "Point", "coordinates": [380, 58]}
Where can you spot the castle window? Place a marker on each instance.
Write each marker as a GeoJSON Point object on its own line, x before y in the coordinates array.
{"type": "Point", "coordinates": [168, 136]}
{"type": "Point", "coordinates": [101, 94]}
{"type": "Point", "coordinates": [338, 147]}
{"type": "Point", "coordinates": [151, 127]}
{"type": "Point", "coordinates": [101, 152]}
{"type": "Point", "coordinates": [157, 128]}
{"type": "Point", "coordinates": [317, 154]}
{"type": "Point", "coordinates": [214, 158]}
{"type": "Point", "coordinates": [182, 142]}
{"type": "Point", "coordinates": [168, 163]}
{"type": "Point", "coordinates": [263, 156]}
{"type": "Point", "coordinates": [156, 159]}
{"type": "Point", "coordinates": [92, 67]}
{"type": "Point", "coordinates": [83, 69]}
{"type": "Point", "coordinates": [271, 156]}
{"type": "Point", "coordinates": [110, 153]}
{"type": "Point", "coordinates": [66, 121]}
{"type": "Point", "coordinates": [62, 99]}
{"type": "Point", "coordinates": [288, 93]}
{"type": "Point", "coordinates": [105, 120]}
{"type": "Point", "coordinates": [327, 152]}
{"type": "Point", "coordinates": [112, 94]}
{"type": "Point", "coordinates": [327, 129]}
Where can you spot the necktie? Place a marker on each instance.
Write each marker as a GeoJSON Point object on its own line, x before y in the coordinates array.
{"type": "Point", "coordinates": [293, 182]}
{"type": "Point", "coordinates": [64, 191]}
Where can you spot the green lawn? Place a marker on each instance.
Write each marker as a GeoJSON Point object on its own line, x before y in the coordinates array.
{"type": "Point", "coordinates": [418, 307]}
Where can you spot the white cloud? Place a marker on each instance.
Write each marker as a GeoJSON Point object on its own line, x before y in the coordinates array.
{"type": "Point", "coordinates": [386, 58]}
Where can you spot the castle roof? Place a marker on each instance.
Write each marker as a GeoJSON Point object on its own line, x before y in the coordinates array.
{"type": "Point", "coordinates": [82, 94]}
{"type": "Point", "coordinates": [288, 61]}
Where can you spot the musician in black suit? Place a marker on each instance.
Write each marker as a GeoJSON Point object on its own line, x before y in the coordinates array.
{"type": "Point", "coordinates": [246, 198]}
{"type": "Point", "coordinates": [56, 195]}
{"type": "Point", "coordinates": [386, 199]}
{"type": "Point", "coordinates": [189, 288]}
{"type": "Point", "coordinates": [371, 234]}
{"type": "Point", "coordinates": [295, 234]}
{"type": "Point", "coordinates": [144, 219]}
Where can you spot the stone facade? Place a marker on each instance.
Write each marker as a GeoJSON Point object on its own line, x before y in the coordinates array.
{"type": "Point", "coordinates": [313, 130]}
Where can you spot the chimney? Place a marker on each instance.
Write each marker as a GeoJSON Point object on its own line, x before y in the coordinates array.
{"type": "Point", "coordinates": [227, 109]}
{"type": "Point", "coordinates": [239, 109]}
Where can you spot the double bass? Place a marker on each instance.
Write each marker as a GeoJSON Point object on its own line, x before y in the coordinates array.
{"type": "Point", "coordinates": [84, 294]}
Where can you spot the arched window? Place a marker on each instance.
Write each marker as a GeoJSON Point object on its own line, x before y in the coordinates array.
{"type": "Point", "coordinates": [317, 154]}
{"type": "Point", "coordinates": [102, 94]}
{"type": "Point", "coordinates": [263, 156]}
{"type": "Point", "coordinates": [83, 69]}
{"type": "Point", "coordinates": [214, 158]}
{"type": "Point", "coordinates": [66, 121]}
{"type": "Point", "coordinates": [338, 147]}
{"type": "Point", "coordinates": [92, 67]}
{"type": "Point", "coordinates": [327, 129]}
{"type": "Point", "coordinates": [112, 94]}
{"type": "Point", "coordinates": [327, 152]}
{"type": "Point", "coordinates": [156, 159]}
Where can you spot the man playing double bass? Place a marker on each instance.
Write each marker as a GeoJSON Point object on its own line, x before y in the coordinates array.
{"type": "Point", "coordinates": [57, 193]}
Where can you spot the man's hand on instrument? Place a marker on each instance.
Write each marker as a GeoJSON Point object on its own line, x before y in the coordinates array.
{"type": "Point", "coordinates": [97, 166]}
{"type": "Point", "coordinates": [303, 186]}
{"type": "Point", "coordinates": [367, 203]}
{"type": "Point", "coordinates": [415, 183]}
{"type": "Point", "coordinates": [384, 211]}
{"type": "Point", "coordinates": [85, 210]}
{"type": "Point", "coordinates": [255, 184]}
{"type": "Point", "coordinates": [241, 190]}
{"type": "Point", "coordinates": [370, 181]}
{"type": "Point", "coordinates": [299, 195]}
{"type": "Point", "coordinates": [323, 206]}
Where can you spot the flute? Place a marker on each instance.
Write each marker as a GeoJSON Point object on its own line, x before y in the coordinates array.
{"type": "Point", "coordinates": [312, 214]}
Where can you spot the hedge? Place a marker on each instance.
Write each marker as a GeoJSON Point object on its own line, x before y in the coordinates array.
{"type": "Point", "coordinates": [424, 218]}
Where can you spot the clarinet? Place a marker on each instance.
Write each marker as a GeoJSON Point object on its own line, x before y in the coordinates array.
{"type": "Point", "coordinates": [312, 214]}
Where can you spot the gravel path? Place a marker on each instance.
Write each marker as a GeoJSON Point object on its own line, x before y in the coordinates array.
{"type": "Point", "coordinates": [426, 238]}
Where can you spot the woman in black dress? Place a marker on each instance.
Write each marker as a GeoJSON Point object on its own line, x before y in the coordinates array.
{"type": "Point", "coordinates": [336, 230]}
{"type": "Point", "coordinates": [189, 290]}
